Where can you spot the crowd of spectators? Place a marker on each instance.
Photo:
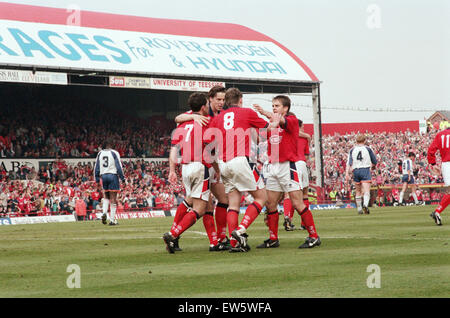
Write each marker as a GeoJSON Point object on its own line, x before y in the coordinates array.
{"type": "Point", "coordinates": [390, 149]}
{"type": "Point", "coordinates": [56, 188]}
{"type": "Point", "coordinates": [47, 130]}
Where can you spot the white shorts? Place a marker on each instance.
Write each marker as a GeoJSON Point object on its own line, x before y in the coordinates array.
{"type": "Point", "coordinates": [446, 172]}
{"type": "Point", "coordinates": [196, 180]}
{"type": "Point", "coordinates": [304, 174]}
{"type": "Point", "coordinates": [285, 176]}
{"type": "Point", "coordinates": [239, 174]}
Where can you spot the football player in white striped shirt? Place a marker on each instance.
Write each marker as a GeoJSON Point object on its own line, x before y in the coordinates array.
{"type": "Point", "coordinates": [109, 168]}
{"type": "Point", "coordinates": [408, 177]}
{"type": "Point", "coordinates": [360, 160]}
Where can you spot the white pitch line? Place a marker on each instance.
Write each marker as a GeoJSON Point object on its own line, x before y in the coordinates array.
{"type": "Point", "coordinates": [342, 237]}
{"type": "Point", "coordinates": [251, 237]}
{"type": "Point", "coordinates": [200, 233]}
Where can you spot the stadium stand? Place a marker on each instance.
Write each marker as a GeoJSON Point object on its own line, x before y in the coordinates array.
{"type": "Point", "coordinates": [76, 130]}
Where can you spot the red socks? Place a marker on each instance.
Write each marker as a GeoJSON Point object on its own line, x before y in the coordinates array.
{"type": "Point", "coordinates": [443, 204]}
{"type": "Point", "coordinates": [272, 220]}
{"type": "Point", "coordinates": [208, 222]}
{"type": "Point", "coordinates": [233, 221]}
{"type": "Point", "coordinates": [288, 208]}
{"type": "Point", "coordinates": [306, 202]}
{"type": "Point", "coordinates": [188, 220]}
{"type": "Point", "coordinates": [179, 215]}
{"type": "Point", "coordinates": [251, 214]}
{"type": "Point", "coordinates": [308, 220]}
{"type": "Point", "coordinates": [221, 220]}
{"type": "Point", "coordinates": [291, 211]}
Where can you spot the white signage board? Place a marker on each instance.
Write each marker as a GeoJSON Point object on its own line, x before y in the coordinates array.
{"type": "Point", "coordinates": [93, 49]}
{"type": "Point", "coordinates": [31, 77]}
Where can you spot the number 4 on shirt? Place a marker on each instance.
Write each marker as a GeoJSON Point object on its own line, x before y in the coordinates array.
{"type": "Point", "coordinates": [359, 156]}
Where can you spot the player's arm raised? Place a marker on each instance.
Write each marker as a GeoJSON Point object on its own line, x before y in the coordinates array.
{"type": "Point", "coordinates": [202, 120]}
{"type": "Point", "coordinates": [263, 112]}
{"type": "Point", "coordinates": [305, 135]}
{"type": "Point", "coordinates": [275, 121]}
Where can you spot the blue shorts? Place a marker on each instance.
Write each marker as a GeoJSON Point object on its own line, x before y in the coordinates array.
{"type": "Point", "coordinates": [110, 182]}
{"type": "Point", "coordinates": [405, 179]}
{"type": "Point", "coordinates": [362, 175]}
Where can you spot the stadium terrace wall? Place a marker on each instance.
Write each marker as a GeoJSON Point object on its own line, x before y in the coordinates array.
{"type": "Point", "coordinates": [345, 128]}
{"type": "Point", "coordinates": [17, 163]}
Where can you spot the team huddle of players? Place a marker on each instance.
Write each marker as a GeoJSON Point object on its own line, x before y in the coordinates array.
{"type": "Point", "coordinates": [216, 161]}
{"type": "Point", "coordinates": [214, 141]}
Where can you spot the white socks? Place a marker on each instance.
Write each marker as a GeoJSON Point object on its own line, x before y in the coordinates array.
{"type": "Point", "coordinates": [113, 212]}
{"type": "Point", "coordinates": [413, 195]}
{"type": "Point", "coordinates": [105, 207]}
{"type": "Point", "coordinates": [366, 200]}
{"type": "Point", "coordinates": [358, 203]}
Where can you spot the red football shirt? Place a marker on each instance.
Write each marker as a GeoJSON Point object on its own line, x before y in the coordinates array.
{"type": "Point", "coordinates": [286, 138]}
{"type": "Point", "coordinates": [442, 143]}
{"type": "Point", "coordinates": [189, 137]}
{"type": "Point", "coordinates": [235, 125]}
{"type": "Point", "coordinates": [302, 148]}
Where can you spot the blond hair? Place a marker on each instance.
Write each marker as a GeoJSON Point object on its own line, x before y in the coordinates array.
{"type": "Point", "coordinates": [361, 138]}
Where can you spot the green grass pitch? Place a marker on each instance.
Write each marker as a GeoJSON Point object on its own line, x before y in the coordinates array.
{"type": "Point", "coordinates": [130, 260]}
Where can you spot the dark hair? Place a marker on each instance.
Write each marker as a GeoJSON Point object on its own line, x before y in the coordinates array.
{"type": "Point", "coordinates": [232, 96]}
{"type": "Point", "coordinates": [196, 101]}
{"type": "Point", "coordinates": [285, 101]}
{"type": "Point", "coordinates": [216, 89]}
{"type": "Point", "coordinates": [107, 144]}
{"type": "Point", "coordinates": [411, 154]}
{"type": "Point", "coordinates": [300, 123]}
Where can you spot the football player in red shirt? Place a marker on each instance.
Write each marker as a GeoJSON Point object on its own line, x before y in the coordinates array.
{"type": "Point", "coordinates": [441, 143]}
{"type": "Point", "coordinates": [189, 138]}
{"type": "Point", "coordinates": [232, 132]}
{"type": "Point", "coordinates": [303, 152]}
{"type": "Point", "coordinates": [286, 175]}
{"type": "Point", "coordinates": [216, 98]}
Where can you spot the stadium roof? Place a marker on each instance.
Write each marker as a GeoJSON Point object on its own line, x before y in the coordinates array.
{"type": "Point", "coordinates": [53, 38]}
